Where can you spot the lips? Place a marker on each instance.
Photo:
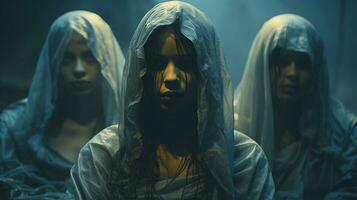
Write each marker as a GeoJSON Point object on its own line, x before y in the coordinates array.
{"type": "Point", "coordinates": [290, 89]}
{"type": "Point", "coordinates": [80, 85]}
{"type": "Point", "coordinates": [168, 96]}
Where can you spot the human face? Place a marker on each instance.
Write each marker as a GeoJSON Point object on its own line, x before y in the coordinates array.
{"type": "Point", "coordinates": [293, 75]}
{"type": "Point", "coordinates": [175, 86]}
{"type": "Point", "coordinates": [80, 71]}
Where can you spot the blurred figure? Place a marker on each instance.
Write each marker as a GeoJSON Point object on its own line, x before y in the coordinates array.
{"type": "Point", "coordinates": [74, 94]}
{"type": "Point", "coordinates": [283, 103]}
{"type": "Point", "coordinates": [176, 137]}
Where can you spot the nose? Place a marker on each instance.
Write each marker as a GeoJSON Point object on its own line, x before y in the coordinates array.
{"type": "Point", "coordinates": [79, 70]}
{"type": "Point", "coordinates": [171, 79]}
{"type": "Point", "coordinates": [292, 71]}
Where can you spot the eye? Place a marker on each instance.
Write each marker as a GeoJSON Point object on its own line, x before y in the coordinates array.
{"type": "Point", "coordinates": [89, 58]}
{"type": "Point", "coordinates": [185, 62]}
{"type": "Point", "coordinates": [303, 63]}
{"type": "Point", "coordinates": [68, 58]}
{"type": "Point", "coordinates": [282, 62]}
{"type": "Point", "coordinates": [157, 62]}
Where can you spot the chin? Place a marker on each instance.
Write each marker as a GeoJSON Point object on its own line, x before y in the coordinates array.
{"type": "Point", "coordinates": [168, 110]}
{"type": "Point", "coordinates": [288, 98]}
{"type": "Point", "coordinates": [81, 93]}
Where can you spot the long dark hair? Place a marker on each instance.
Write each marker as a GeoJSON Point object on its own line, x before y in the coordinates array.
{"type": "Point", "coordinates": [144, 171]}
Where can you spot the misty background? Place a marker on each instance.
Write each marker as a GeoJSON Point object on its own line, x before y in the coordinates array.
{"type": "Point", "coordinates": [25, 25]}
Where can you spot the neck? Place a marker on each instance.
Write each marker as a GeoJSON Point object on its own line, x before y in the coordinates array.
{"type": "Point", "coordinates": [177, 132]}
{"type": "Point", "coordinates": [286, 122]}
{"type": "Point", "coordinates": [82, 109]}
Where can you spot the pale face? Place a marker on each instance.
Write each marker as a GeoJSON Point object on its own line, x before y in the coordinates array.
{"type": "Point", "coordinates": [293, 77]}
{"type": "Point", "coordinates": [79, 70]}
{"type": "Point", "coordinates": [175, 86]}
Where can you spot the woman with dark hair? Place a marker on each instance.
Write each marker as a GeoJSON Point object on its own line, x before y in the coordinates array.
{"type": "Point", "coordinates": [175, 139]}
{"type": "Point", "coordinates": [283, 102]}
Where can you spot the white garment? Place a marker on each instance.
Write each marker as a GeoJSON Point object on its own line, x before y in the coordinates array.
{"type": "Point", "coordinates": [238, 168]}
{"type": "Point", "coordinates": [25, 156]}
{"type": "Point", "coordinates": [91, 175]}
{"type": "Point", "coordinates": [324, 166]}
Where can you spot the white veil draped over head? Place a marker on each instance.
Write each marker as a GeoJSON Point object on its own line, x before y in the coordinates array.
{"type": "Point", "coordinates": [44, 87]}
{"type": "Point", "coordinates": [23, 142]}
{"type": "Point", "coordinates": [252, 99]}
{"type": "Point", "coordinates": [322, 163]}
{"type": "Point", "coordinates": [215, 98]}
{"type": "Point", "coordinates": [113, 164]}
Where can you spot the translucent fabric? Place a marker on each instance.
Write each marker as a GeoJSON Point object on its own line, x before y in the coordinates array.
{"type": "Point", "coordinates": [321, 164]}
{"type": "Point", "coordinates": [22, 125]}
{"type": "Point", "coordinates": [237, 163]}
